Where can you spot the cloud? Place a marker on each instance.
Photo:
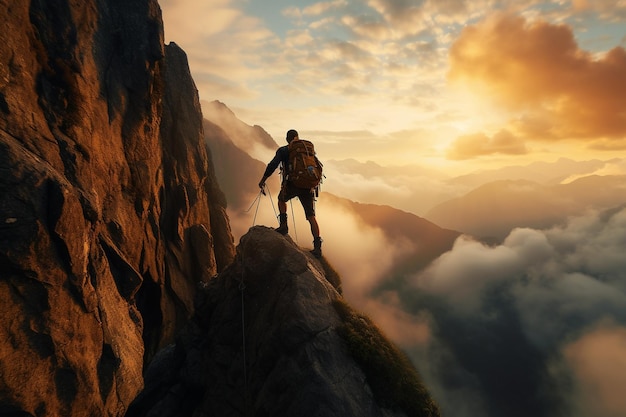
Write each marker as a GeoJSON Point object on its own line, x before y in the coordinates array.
{"type": "Point", "coordinates": [367, 27]}
{"type": "Point", "coordinates": [222, 44]}
{"type": "Point", "coordinates": [317, 9]}
{"type": "Point", "coordinates": [598, 360]}
{"type": "Point", "coordinates": [380, 65]}
{"type": "Point", "coordinates": [463, 273]}
{"type": "Point", "coordinates": [518, 320]}
{"type": "Point", "coordinates": [404, 17]}
{"type": "Point", "coordinates": [409, 188]}
{"type": "Point", "coordinates": [405, 329]}
{"type": "Point", "coordinates": [612, 167]}
{"type": "Point", "coordinates": [537, 68]}
{"type": "Point", "coordinates": [369, 254]}
{"type": "Point", "coordinates": [470, 146]}
{"type": "Point", "coordinates": [607, 9]}
{"type": "Point", "coordinates": [410, 18]}
{"type": "Point", "coordinates": [609, 145]}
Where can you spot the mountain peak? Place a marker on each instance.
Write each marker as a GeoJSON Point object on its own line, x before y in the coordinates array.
{"type": "Point", "coordinates": [270, 337]}
{"type": "Point", "coordinates": [252, 139]}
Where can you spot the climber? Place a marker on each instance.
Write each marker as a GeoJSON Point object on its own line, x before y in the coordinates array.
{"type": "Point", "coordinates": [305, 191]}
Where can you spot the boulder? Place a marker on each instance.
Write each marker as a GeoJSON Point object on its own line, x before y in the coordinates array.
{"type": "Point", "coordinates": [273, 337]}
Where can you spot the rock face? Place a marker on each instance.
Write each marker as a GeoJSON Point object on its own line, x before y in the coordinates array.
{"type": "Point", "coordinates": [109, 214]}
{"type": "Point", "coordinates": [271, 337]}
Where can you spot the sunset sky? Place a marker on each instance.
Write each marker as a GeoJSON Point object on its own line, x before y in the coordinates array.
{"type": "Point", "coordinates": [456, 85]}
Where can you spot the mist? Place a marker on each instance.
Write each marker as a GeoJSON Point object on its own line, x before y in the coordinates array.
{"type": "Point", "coordinates": [406, 188]}
{"type": "Point", "coordinates": [534, 326]}
{"type": "Point", "coordinates": [354, 248]}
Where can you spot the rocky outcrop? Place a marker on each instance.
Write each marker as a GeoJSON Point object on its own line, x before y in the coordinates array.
{"type": "Point", "coordinates": [109, 214]}
{"type": "Point", "coordinates": [272, 337]}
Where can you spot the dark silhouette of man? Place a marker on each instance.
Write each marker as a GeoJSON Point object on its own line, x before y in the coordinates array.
{"type": "Point", "coordinates": [289, 191]}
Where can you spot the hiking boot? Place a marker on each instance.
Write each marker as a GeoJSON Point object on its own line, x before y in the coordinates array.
{"type": "Point", "coordinates": [317, 247]}
{"type": "Point", "coordinates": [283, 228]}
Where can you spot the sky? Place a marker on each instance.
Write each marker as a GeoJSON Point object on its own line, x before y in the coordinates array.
{"type": "Point", "coordinates": [453, 85]}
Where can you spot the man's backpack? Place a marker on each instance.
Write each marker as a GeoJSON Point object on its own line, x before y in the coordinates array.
{"type": "Point", "coordinates": [305, 170]}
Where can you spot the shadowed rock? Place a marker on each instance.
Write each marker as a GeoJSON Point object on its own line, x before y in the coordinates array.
{"type": "Point", "coordinates": [108, 212]}
{"type": "Point", "coordinates": [268, 339]}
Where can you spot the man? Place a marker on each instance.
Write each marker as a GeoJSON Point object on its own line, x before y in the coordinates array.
{"type": "Point", "coordinates": [289, 191]}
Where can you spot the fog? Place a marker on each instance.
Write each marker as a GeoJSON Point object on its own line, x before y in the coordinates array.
{"type": "Point", "coordinates": [354, 248]}
{"type": "Point", "coordinates": [534, 326]}
{"type": "Point", "coordinates": [405, 188]}
{"type": "Point", "coordinates": [598, 362]}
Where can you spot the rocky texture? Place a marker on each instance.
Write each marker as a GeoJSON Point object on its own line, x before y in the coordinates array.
{"type": "Point", "coordinates": [109, 214]}
{"type": "Point", "coordinates": [271, 337]}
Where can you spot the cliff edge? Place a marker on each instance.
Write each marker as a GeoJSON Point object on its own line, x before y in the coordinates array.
{"type": "Point", "coordinates": [271, 336]}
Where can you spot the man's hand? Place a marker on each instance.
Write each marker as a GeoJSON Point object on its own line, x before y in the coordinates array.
{"type": "Point", "coordinates": [262, 185]}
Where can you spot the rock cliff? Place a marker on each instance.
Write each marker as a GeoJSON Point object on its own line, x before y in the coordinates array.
{"type": "Point", "coordinates": [109, 211]}
{"type": "Point", "coordinates": [272, 337]}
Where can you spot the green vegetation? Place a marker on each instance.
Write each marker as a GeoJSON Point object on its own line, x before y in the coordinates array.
{"type": "Point", "coordinates": [332, 276]}
{"type": "Point", "coordinates": [393, 379]}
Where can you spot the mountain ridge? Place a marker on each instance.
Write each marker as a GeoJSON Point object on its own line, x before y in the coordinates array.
{"type": "Point", "coordinates": [494, 209]}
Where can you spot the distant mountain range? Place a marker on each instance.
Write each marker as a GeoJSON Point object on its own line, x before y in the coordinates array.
{"type": "Point", "coordinates": [494, 209]}
{"type": "Point", "coordinates": [548, 173]}
{"type": "Point", "coordinates": [423, 191]}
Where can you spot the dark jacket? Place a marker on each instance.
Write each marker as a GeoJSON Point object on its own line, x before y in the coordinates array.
{"type": "Point", "coordinates": [282, 156]}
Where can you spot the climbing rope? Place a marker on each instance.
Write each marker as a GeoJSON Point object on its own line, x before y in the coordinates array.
{"type": "Point", "coordinates": [257, 200]}
{"type": "Point", "coordinates": [293, 219]}
{"type": "Point", "coordinates": [272, 201]}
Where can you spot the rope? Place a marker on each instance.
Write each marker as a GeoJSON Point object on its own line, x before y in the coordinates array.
{"type": "Point", "coordinates": [272, 202]}
{"type": "Point", "coordinates": [257, 200]}
{"type": "Point", "coordinates": [293, 219]}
